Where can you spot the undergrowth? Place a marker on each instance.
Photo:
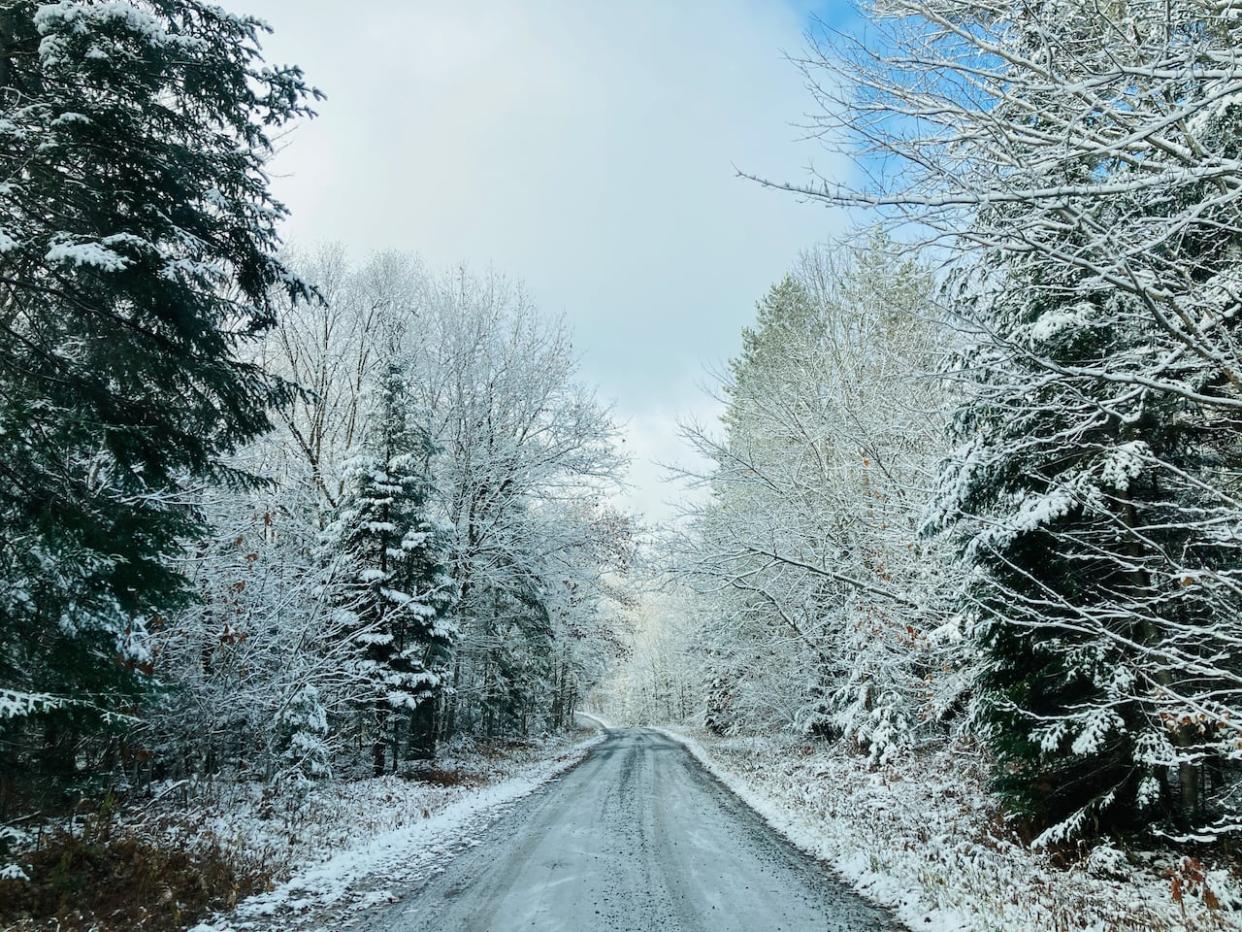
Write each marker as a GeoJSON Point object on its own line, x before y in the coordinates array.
{"type": "Point", "coordinates": [97, 879]}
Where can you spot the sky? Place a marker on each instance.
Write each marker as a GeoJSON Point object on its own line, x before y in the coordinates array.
{"type": "Point", "coordinates": [590, 149]}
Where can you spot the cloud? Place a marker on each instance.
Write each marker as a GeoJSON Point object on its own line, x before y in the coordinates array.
{"type": "Point", "coordinates": [588, 148]}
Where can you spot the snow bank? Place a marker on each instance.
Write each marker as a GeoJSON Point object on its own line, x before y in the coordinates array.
{"type": "Point", "coordinates": [921, 838]}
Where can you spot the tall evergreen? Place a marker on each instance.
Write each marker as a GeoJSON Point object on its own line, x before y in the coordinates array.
{"type": "Point", "coordinates": [400, 591]}
{"type": "Point", "coordinates": [137, 251]}
{"type": "Point", "coordinates": [1090, 511]}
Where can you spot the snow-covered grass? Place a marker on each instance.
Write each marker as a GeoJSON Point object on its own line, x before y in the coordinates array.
{"type": "Point", "coordinates": [920, 837]}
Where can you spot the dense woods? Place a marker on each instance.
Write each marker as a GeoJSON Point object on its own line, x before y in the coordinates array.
{"type": "Point", "coordinates": [283, 517]}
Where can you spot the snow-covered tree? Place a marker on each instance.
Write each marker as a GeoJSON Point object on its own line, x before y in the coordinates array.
{"type": "Point", "coordinates": [825, 600]}
{"type": "Point", "coordinates": [1079, 161]}
{"type": "Point", "coordinates": [527, 458]}
{"type": "Point", "coordinates": [232, 667]}
{"type": "Point", "coordinates": [303, 733]}
{"type": "Point", "coordinates": [137, 251]}
{"type": "Point", "coordinates": [335, 349]}
{"type": "Point", "coordinates": [401, 591]}
{"type": "Point", "coordinates": [1078, 505]}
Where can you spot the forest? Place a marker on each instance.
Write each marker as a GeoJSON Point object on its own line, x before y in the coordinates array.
{"type": "Point", "coordinates": [281, 525]}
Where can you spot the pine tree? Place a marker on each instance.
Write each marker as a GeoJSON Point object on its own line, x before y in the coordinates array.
{"type": "Point", "coordinates": [786, 319]}
{"type": "Point", "coordinates": [303, 727]}
{"type": "Point", "coordinates": [1090, 513]}
{"type": "Point", "coordinates": [401, 591]}
{"type": "Point", "coordinates": [137, 251]}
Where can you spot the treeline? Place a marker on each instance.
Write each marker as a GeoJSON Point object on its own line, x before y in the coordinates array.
{"type": "Point", "coordinates": [431, 553]}
{"type": "Point", "coordinates": [823, 609]}
{"type": "Point", "coordinates": [263, 516]}
{"type": "Point", "coordinates": [994, 496]}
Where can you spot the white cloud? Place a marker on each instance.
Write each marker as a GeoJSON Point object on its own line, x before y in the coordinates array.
{"type": "Point", "coordinates": [588, 148]}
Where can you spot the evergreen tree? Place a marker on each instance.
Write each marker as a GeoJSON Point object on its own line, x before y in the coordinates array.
{"type": "Point", "coordinates": [401, 590]}
{"type": "Point", "coordinates": [137, 250]}
{"type": "Point", "coordinates": [303, 728]}
{"type": "Point", "coordinates": [1086, 510]}
{"type": "Point", "coordinates": [786, 319]}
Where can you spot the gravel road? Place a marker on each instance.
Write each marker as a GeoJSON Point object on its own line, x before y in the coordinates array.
{"type": "Point", "coordinates": [639, 837]}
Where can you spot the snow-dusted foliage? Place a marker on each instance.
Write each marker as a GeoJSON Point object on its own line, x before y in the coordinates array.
{"type": "Point", "coordinates": [422, 545]}
{"type": "Point", "coordinates": [921, 837]}
{"type": "Point", "coordinates": [824, 600]}
{"type": "Point", "coordinates": [659, 680]}
{"type": "Point", "coordinates": [137, 253]}
{"type": "Point", "coordinates": [249, 666]}
{"type": "Point", "coordinates": [527, 459]}
{"type": "Point", "coordinates": [1078, 165]}
{"type": "Point", "coordinates": [400, 590]}
{"type": "Point", "coordinates": [1095, 523]}
{"type": "Point", "coordinates": [431, 555]}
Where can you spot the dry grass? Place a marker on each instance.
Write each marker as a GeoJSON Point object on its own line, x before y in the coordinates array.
{"type": "Point", "coordinates": [435, 776]}
{"type": "Point", "coordinates": [169, 863]}
{"type": "Point", "coordinates": [96, 881]}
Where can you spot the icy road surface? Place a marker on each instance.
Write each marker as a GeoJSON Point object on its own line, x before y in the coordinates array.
{"type": "Point", "coordinates": [639, 838]}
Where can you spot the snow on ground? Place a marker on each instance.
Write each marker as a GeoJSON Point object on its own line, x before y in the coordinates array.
{"type": "Point", "coordinates": [335, 847]}
{"type": "Point", "coordinates": [920, 838]}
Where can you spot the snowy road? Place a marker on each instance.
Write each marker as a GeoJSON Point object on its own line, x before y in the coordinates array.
{"type": "Point", "coordinates": [640, 838]}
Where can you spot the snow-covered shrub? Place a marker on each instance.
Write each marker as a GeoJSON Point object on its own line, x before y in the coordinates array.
{"type": "Point", "coordinates": [304, 732]}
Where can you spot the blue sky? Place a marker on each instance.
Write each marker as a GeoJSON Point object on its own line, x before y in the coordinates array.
{"type": "Point", "coordinates": [588, 148]}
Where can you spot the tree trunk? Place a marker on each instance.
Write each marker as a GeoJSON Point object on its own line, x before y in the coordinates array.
{"type": "Point", "coordinates": [379, 747]}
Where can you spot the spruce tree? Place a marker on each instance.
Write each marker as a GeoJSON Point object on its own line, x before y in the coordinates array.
{"type": "Point", "coordinates": [400, 590]}
{"type": "Point", "coordinates": [1090, 514]}
{"type": "Point", "coordinates": [137, 252]}
{"type": "Point", "coordinates": [1094, 488]}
